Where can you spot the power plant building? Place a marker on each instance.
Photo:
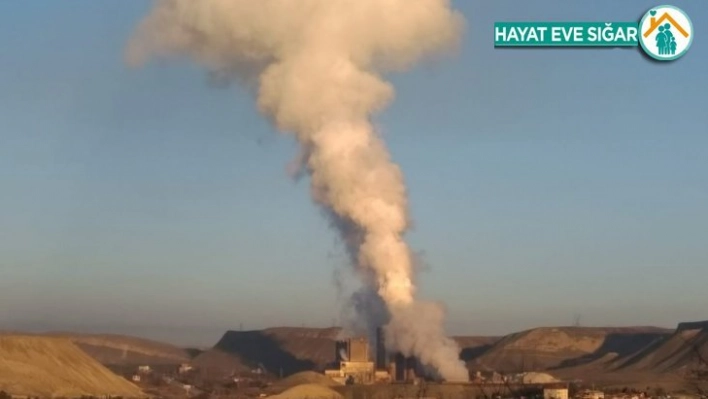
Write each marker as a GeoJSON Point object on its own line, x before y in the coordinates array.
{"type": "Point", "coordinates": [355, 363]}
{"type": "Point", "coordinates": [400, 368]}
{"type": "Point", "coordinates": [358, 350]}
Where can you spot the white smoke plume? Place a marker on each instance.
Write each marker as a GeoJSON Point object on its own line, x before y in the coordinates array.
{"type": "Point", "coordinates": [317, 65]}
{"type": "Point", "coordinates": [343, 355]}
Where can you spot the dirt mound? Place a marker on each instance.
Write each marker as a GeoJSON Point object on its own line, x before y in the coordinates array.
{"type": "Point", "coordinates": [287, 348]}
{"type": "Point", "coordinates": [43, 366]}
{"type": "Point", "coordinates": [308, 377]}
{"type": "Point", "coordinates": [309, 391]}
{"type": "Point", "coordinates": [685, 350]}
{"type": "Point", "coordinates": [219, 364]}
{"type": "Point", "coordinates": [548, 348]}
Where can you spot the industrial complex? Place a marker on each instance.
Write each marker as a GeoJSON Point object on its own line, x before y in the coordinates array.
{"type": "Point", "coordinates": [355, 365]}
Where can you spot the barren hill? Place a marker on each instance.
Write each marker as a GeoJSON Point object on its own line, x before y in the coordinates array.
{"type": "Point", "coordinates": [685, 350]}
{"type": "Point", "coordinates": [674, 361]}
{"type": "Point", "coordinates": [111, 349]}
{"type": "Point", "coordinates": [286, 349]}
{"type": "Point", "coordinates": [43, 366]}
{"type": "Point", "coordinates": [292, 349]}
{"type": "Point", "coordinates": [556, 347]}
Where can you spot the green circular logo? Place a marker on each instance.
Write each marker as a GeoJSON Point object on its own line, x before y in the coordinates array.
{"type": "Point", "coordinates": [665, 33]}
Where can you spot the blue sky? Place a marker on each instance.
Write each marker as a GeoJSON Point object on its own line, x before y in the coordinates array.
{"type": "Point", "coordinates": [543, 183]}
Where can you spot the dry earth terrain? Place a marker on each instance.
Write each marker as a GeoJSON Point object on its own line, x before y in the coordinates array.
{"type": "Point", "coordinates": [111, 349]}
{"type": "Point", "coordinates": [548, 348]}
{"type": "Point", "coordinates": [609, 356]}
{"type": "Point", "coordinates": [51, 367]}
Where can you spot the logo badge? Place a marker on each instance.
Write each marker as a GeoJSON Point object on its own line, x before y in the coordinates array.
{"type": "Point", "coordinates": [665, 33]}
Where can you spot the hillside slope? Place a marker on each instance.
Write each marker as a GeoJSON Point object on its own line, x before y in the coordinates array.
{"type": "Point", "coordinates": [43, 366]}
{"type": "Point", "coordinates": [548, 348]}
{"type": "Point", "coordinates": [673, 362]}
{"type": "Point", "coordinates": [472, 347]}
{"type": "Point", "coordinates": [111, 349]}
{"type": "Point", "coordinates": [286, 349]}
{"type": "Point", "coordinates": [685, 350]}
{"type": "Point", "coordinates": [291, 349]}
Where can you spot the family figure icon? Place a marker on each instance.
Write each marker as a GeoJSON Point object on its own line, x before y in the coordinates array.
{"type": "Point", "coordinates": [665, 40]}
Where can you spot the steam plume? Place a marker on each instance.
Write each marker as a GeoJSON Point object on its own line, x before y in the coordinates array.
{"type": "Point", "coordinates": [316, 65]}
{"type": "Point", "coordinates": [343, 355]}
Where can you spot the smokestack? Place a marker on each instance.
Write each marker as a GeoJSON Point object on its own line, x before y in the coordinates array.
{"type": "Point", "coordinates": [318, 67]}
{"type": "Point", "coordinates": [380, 349]}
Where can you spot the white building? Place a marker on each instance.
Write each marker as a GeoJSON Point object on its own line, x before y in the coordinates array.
{"type": "Point", "coordinates": [555, 391]}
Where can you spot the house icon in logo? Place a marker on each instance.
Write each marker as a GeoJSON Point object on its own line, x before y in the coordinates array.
{"type": "Point", "coordinates": [666, 33]}
{"type": "Point", "coordinates": [655, 23]}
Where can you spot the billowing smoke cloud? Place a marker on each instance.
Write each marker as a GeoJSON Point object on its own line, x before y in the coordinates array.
{"type": "Point", "coordinates": [317, 65]}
